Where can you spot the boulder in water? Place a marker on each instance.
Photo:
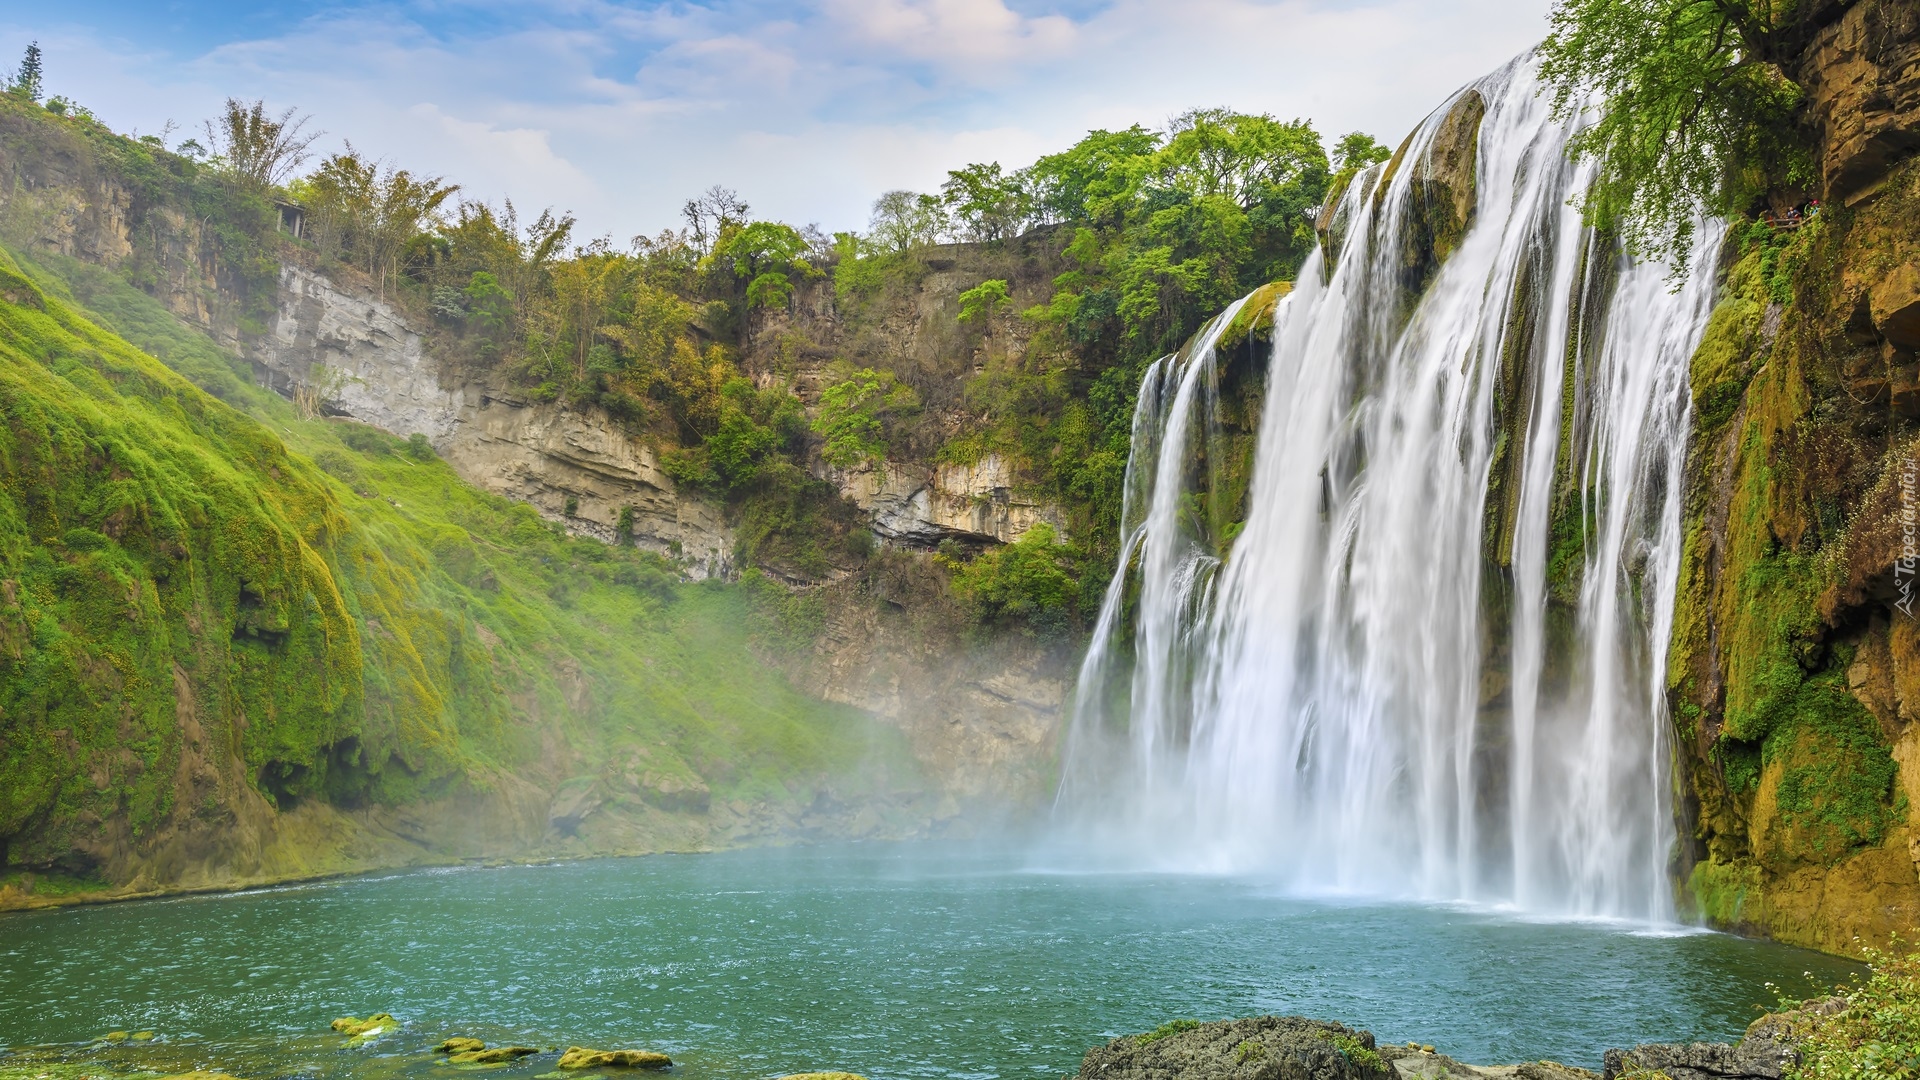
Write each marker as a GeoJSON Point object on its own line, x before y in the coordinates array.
{"type": "Point", "coordinates": [579, 1057]}
{"type": "Point", "coordinates": [460, 1044]}
{"type": "Point", "coordinates": [348, 1025]}
{"type": "Point", "coordinates": [1262, 1048]}
{"type": "Point", "coordinates": [823, 1076]}
{"type": "Point", "coordinates": [499, 1055]}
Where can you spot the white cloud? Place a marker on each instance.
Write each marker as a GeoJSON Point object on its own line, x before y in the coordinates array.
{"type": "Point", "coordinates": [810, 109]}
{"type": "Point", "coordinates": [953, 31]}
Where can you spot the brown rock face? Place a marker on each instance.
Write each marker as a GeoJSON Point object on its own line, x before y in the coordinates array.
{"type": "Point", "coordinates": [1862, 77]}
{"type": "Point", "coordinates": [1896, 307]}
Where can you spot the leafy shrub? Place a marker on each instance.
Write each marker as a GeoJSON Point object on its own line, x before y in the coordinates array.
{"type": "Point", "coordinates": [1878, 1034]}
{"type": "Point", "coordinates": [983, 299]}
{"type": "Point", "coordinates": [854, 410]}
{"type": "Point", "coordinates": [1030, 584]}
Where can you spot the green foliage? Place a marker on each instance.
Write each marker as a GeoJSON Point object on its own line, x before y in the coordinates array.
{"type": "Point", "coordinates": [1697, 112]}
{"type": "Point", "coordinates": [27, 81]}
{"type": "Point", "coordinates": [373, 629]}
{"type": "Point", "coordinates": [989, 205]}
{"type": "Point", "coordinates": [767, 256]}
{"type": "Point", "coordinates": [1878, 1034]}
{"type": "Point", "coordinates": [1354, 1050]}
{"type": "Point", "coordinates": [903, 221]}
{"type": "Point", "coordinates": [1031, 584]}
{"type": "Point", "coordinates": [983, 299]}
{"type": "Point", "coordinates": [1171, 1027]}
{"type": "Point", "coordinates": [1837, 775]}
{"type": "Point", "coordinates": [853, 414]}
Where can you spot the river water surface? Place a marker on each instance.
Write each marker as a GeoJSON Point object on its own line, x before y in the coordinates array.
{"type": "Point", "coordinates": [884, 960]}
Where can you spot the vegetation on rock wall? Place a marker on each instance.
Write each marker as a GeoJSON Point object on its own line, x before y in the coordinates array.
{"type": "Point", "coordinates": [1784, 686]}
{"type": "Point", "coordinates": [333, 613]}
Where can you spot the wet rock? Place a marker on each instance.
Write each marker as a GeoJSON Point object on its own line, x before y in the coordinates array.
{"type": "Point", "coordinates": [460, 1045]}
{"type": "Point", "coordinates": [1261, 1048]}
{"type": "Point", "coordinates": [348, 1025]}
{"type": "Point", "coordinates": [578, 1057]}
{"type": "Point", "coordinates": [115, 1037]}
{"type": "Point", "coordinates": [1753, 1059]}
{"type": "Point", "coordinates": [1443, 190]}
{"type": "Point", "coordinates": [823, 1076]}
{"type": "Point", "coordinates": [499, 1055]}
{"type": "Point", "coordinates": [1861, 76]}
{"type": "Point", "coordinates": [1794, 1024]}
{"type": "Point", "coordinates": [1254, 320]}
{"type": "Point", "coordinates": [576, 800]}
{"type": "Point", "coordinates": [141, 1036]}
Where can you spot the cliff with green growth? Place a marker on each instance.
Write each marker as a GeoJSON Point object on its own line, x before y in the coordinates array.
{"type": "Point", "coordinates": [1795, 649]}
{"type": "Point", "coordinates": [242, 647]}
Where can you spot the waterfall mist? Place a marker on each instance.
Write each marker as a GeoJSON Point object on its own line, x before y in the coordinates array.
{"type": "Point", "coordinates": [1431, 663]}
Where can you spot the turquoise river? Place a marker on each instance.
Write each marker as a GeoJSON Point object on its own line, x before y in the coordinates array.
{"type": "Point", "coordinates": [885, 960]}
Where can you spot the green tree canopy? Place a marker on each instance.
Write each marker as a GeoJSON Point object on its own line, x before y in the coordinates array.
{"type": "Point", "coordinates": [1696, 113]}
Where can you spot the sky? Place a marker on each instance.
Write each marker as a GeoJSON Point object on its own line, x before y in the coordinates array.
{"type": "Point", "coordinates": [620, 111]}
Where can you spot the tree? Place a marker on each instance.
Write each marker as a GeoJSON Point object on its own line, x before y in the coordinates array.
{"type": "Point", "coordinates": [989, 205]}
{"type": "Point", "coordinates": [1696, 114]}
{"type": "Point", "coordinates": [905, 221]}
{"type": "Point", "coordinates": [258, 148]}
{"type": "Point", "coordinates": [1355, 151]}
{"type": "Point", "coordinates": [709, 214]}
{"type": "Point", "coordinates": [853, 412]}
{"type": "Point", "coordinates": [764, 254]}
{"type": "Point", "coordinates": [27, 81]}
{"type": "Point", "coordinates": [1083, 183]}
{"type": "Point", "coordinates": [983, 299]}
{"type": "Point", "coordinates": [368, 214]}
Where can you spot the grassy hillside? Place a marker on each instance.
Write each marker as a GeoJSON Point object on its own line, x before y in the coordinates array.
{"type": "Point", "coordinates": [193, 581]}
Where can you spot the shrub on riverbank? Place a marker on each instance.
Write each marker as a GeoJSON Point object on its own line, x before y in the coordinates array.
{"type": "Point", "coordinates": [1878, 1033]}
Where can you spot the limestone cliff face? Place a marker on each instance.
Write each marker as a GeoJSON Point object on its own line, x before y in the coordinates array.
{"type": "Point", "coordinates": [1862, 77]}
{"type": "Point", "coordinates": [360, 358]}
{"type": "Point", "coordinates": [1796, 660]}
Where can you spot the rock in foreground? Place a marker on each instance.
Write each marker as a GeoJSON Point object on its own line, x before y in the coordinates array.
{"type": "Point", "coordinates": [1262, 1048]}
{"type": "Point", "coordinates": [1752, 1059]}
{"type": "Point", "coordinates": [579, 1057]}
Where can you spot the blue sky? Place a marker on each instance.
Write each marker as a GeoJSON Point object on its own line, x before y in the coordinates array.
{"type": "Point", "coordinates": [619, 111]}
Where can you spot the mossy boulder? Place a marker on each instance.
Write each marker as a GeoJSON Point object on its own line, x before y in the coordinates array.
{"type": "Point", "coordinates": [460, 1044]}
{"type": "Point", "coordinates": [348, 1025]}
{"type": "Point", "coordinates": [1261, 1048]}
{"type": "Point", "coordinates": [579, 1057]}
{"type": "Point", "coordinates": [823, 1076]}
{"type": "Point", "coordinates": [1254, 320]}
{"type": "Point", "coordinates": [499, 1055]}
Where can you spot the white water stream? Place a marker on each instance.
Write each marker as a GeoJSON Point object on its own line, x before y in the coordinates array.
{"type": "Point", "coordinates": [1350, 696]}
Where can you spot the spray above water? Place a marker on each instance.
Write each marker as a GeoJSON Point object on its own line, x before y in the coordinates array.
{"type": "Point", "coordinates": [1431, 661]}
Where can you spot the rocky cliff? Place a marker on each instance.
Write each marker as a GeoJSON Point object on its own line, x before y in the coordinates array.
{"type": "Point", "coordinates": [975, 716]}
{"type": "Point", "coordinates": [1796, 659]}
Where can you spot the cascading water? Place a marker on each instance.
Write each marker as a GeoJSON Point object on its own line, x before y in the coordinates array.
{"type": "Point", "coordinates": [1432, 662]}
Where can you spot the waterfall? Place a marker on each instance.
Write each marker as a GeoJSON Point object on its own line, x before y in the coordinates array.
{"type": "Point", "coordinates": [1432, 661]}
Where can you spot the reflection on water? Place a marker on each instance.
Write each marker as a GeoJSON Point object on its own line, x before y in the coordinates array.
{"type": "Point", "coordinates": [890, 961]}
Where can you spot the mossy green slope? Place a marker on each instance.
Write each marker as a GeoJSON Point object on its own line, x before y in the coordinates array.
{"type": "Point", "coordinates": [185, 593]}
